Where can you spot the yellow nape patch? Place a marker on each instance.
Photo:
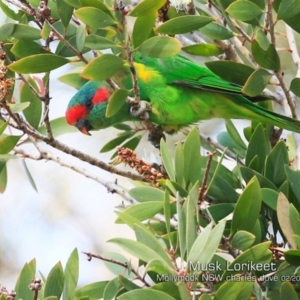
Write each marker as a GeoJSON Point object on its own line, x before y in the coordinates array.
{"type": "Point", "coordinates": [144, 73]}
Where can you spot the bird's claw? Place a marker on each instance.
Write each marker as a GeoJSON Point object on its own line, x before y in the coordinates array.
{"type": "Point", "coordinates": [140, 110]}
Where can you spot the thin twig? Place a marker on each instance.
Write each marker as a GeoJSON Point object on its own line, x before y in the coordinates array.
{"type": "Point", "coordinates": [203, 187]}
{"type": "Point", "coordinates": [111, 187]}
{"type": "Point", "coordinates": [218, 146]}
{"type": "Point", "coordinates": [113, 261]}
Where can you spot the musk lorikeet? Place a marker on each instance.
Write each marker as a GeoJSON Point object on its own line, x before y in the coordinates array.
{"type": "Point", "coordinates": [180, 93]}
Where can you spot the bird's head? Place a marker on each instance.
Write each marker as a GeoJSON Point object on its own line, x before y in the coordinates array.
{"type": "Point", "coordinates": [86, 110]}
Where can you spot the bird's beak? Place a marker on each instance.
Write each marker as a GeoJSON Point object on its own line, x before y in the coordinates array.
{"type": "Point", "coordinates": [84, 126]}
{"type": "Point", "coordinates": [84, 131]}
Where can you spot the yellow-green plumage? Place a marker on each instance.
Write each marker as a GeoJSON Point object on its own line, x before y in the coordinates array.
{"type": "Point", "coordinates": [182, 93]}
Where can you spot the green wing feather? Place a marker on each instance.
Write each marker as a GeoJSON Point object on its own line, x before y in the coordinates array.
{"type": "Point", "coordinates": [178, 70]}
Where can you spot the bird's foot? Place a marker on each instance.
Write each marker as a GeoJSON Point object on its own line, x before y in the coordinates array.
{"type": "Point", "coordinates": [155, 136]}
{"type": "Point", "coordinates": [141, 110]}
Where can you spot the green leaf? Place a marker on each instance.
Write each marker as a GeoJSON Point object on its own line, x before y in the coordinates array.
{"type": "Point", "coordinates": [191, 221]}
{"type": "Point", "coordinates": [216, 32]}
{"type": "Point", "coordinates": [220, 211]}
{"type": "Point", "coordinates": [70, 31]}
{"type": "Point", "coordinates": [15, 108]}
{"type": "Point", "coordinates": [233, 132]}
{"type": "Point", "coordinates": [94, 17]}
{"type": "Point", "coordinates": [133, 143]}
{"type": "Point", "coordinates": [80, 37]}
{"type": "Point", "coordinates": [65, 12]}
{"type": "Point", "coordinates": [288, 9]}
{"type": "Point", "coordinates": [231, 71]}
{"type": "Point", "coordinates": [295, 86]}
{"type": "Point", "coordinates": [268, 59]}
{"type": "Point", "coordinates": [192, 159]}
{"type": "Point", "coordinates": [256, 83]}
{"type": "Point", "coordinates": [3, 176]}
{"type": "Point", "coordinates": [287, 290]}
{"type": "Point", "coordinates": [26, 32]}
{"type": "Point", "coordinates": [167, 213]}
{"type": "Point", "coordinates": [183, 24]}
{"type": "Point", "coordinates": [143, 211]}
{"type": "Point", "coordinates": [25, 278]}
{"type": "Point", "coordinates": [145, 294]}
{"type": "Point", "coordinates": [112, 144]}
{"type": "Point", "coordinates": [276, 162]}
{"type": "Point", "coordinates": [93, 290]}
{"type": "Point", "coordinates": [116, 101]}
{"type": "Point", "coordinates": [97, 42]}
{"type": "Point", "coordinates": [55, 282]}
{"type": "Point", "coordinates": [257, 254]}
{"type": "Point", "coordinates": [242, 240]}
{"type": "Point", "coordinates": [127, 284]}
{"type": "Point", "coordinates": [179, 164]}
{"type": "Point", "coordinates": [107, 64]}
{"type": "Point", "coordinates": [270, 197]}
{"type": "Point", "coordinates": [71, 276]}
{"type": "Point", "coordinates": [203, 50]}
{"type": "Point", "coordinates": [127, 219]}
{"type": "Point", "coordinates": [283, 215]}
{"type": "Point", "coordinates": [97, 4]}
{"type": "Point", "coordinates": [112, 267]}
{"type": "Point", "coordinates": [111, 289]}
{"type": "Point", "coordinates": [247, 208]}
{"type": "Point", "coordinates": [9, 12]}
{"type": "Point", "coordinates": [294, 179]}
{"type": "Point", "coordinates": [144, 194]}
{"type": "Point", "coordinates": [225, 139]}
{"type": "Point", "coordinates": [73, 79]}
{"type": "Point", "coordinates": [199, 244]}
{"type": "Point", "coordinates": [167, 159]}
{"type": "Point", "coordinates": [292, 257]}
{"type": "Point", "coordinates": [147, 7]}
{"type": "Point", "coordinates": [294, 219]}
{"type": "Point", "coordinates": [45, 31]}
{"type": "Point", "coordinates": [248, 173]}
{"type": "Point", "coordinates": [6, 31]}
{"type": "Point", "coordinates": [33, 113]}
{"type": "Point", "coordinates": [23, 48]}
{"type": "Point", "coordinates": [7, 143]}
{"type": "Point", "coordinates": [59, 126]}
{"type": "Point", "coordinates": [31, 180]}
{"type": "Point", "coordinates": [234, 290]}
{"type": "Point", "coordinates": [38, 63]}
{"type": "Point", "coordinates": [244, 10]}
{"type": "Point", "coordinates": [159, 267]}
{"type": "Point", "coordinates": [136, 249]}
{"type": "Point", "coordinates": [258, 146]}
{"type": "Point", "coordinates": [146, 237]}
{"type": "Point", "coordinates": [65, 51]}
{"type": "Point", "coordinates": [3, 127]}
{"type": "Point", "coordinates": [160, 47]}
{"type": "Point", "coordinates": [143, 27]}
{"type": "Point", "coordinates": [206, 244]}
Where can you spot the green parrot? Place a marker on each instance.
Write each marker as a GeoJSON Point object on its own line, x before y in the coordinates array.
{"type": "Point", "coordinates": [179, 92]}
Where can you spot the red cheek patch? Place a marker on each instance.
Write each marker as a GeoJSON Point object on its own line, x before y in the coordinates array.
{"type": "Point", "coordinates": [75, 113]}
{"type": "Point", "coordinates": [101, 95]}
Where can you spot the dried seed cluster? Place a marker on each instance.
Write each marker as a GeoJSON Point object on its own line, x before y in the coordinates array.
{"type": "Point", "coordinates": [5, 83]}
{"type": "Point", "coordinates": [149, 173]}
{"type": "Point", "coordinates": [35, 285]}
{"type": "Point", "coordinates": [8, 295]}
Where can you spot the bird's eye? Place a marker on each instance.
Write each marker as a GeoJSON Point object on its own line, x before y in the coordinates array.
{"type": "Point", "coordinates": [89, 104]}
